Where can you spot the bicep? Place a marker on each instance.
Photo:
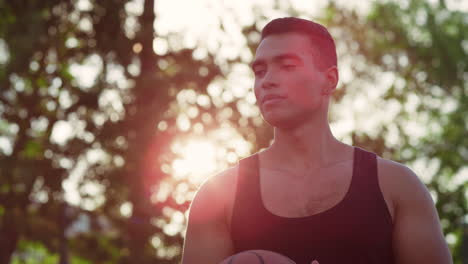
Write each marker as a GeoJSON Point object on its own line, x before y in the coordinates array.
{"type": "Point", "coordinates": [206, 245]}
{"type": "Point", "coordinates": [418, 236]}
{"type": "Point", "coordinates": [207, 239]}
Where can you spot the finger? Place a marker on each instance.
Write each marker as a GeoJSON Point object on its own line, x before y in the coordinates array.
{"type": "Point", "coordinates": [315, 262]}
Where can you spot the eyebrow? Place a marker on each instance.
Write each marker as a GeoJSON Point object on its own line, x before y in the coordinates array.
{"type": "Point", "coordinates": [276, 58]}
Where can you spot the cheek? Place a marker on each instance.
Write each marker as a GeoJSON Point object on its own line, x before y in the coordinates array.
{"type": "Point", "coordinates": [304, 92]}
{"type": "Point", "coordinates": [256, 91]}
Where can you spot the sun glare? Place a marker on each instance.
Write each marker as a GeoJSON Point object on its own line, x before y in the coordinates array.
{"type": "Point", "coordinates": [197, 161]}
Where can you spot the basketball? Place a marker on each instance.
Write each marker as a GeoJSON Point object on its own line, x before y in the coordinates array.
{"type": "Point", "coordinates": [257, 257]}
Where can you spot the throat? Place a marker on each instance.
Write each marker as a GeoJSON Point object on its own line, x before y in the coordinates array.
{"type": "Point", "coordinates": [303, 169]}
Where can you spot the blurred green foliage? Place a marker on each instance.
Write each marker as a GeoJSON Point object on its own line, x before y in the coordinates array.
{"type": "Point", "coordinates": [424, 46]}
{"type": "Point", "coordinates": [34, 252]}
{"type": "Point", "coordinates": [40, 91]}
{"type": "Point", "coordinates": [53, 118]}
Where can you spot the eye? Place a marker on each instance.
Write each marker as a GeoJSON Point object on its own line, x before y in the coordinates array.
{"type": "Point", "coordinates": [289, 66]}
{"type": "Point", "coordinates": [259, 72]}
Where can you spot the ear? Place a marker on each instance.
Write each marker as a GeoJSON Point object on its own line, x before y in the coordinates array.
{"type": "Point", "coordinates": [331, 75]}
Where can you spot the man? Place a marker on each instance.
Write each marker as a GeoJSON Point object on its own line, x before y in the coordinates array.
{"type": "Point", "coordinates": [309, 196]}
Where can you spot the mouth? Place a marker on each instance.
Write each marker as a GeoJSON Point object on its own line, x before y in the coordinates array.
{"type": "Point", "coordinates": [272, 98]}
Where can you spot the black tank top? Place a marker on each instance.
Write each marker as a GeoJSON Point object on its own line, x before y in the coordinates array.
{"type": "Point", "coordinates": [357, 230]}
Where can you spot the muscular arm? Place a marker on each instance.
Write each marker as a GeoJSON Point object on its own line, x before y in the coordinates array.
{"type": "Point", "coordinates": [208, 239]}
{"type": "Point", "coordinates": [418, 236]}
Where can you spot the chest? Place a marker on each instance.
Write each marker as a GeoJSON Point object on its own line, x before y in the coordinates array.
{"type": "Point", "coordinates": [291, 195]}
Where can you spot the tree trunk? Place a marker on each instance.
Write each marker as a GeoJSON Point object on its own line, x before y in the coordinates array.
{"type": "Point", "coordinates": [465, 244]}
{"type": "Point", "coordinates": [139, 227]}
{"type": "Point", "coordinates": [8, 237]}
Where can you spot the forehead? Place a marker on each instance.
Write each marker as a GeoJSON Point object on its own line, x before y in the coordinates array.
{"type": "Point", "coordinates": [283, 43]}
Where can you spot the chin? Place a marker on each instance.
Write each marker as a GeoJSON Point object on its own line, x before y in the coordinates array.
{"type": "Point", "coordinates": [283, 122]}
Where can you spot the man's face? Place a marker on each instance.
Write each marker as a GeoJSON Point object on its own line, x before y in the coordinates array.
{"type": "Point", "coordinates": [284, 66]}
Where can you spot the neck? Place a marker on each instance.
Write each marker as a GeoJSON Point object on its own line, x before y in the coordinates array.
{"type": "Point", "coordinates": [309, 146]}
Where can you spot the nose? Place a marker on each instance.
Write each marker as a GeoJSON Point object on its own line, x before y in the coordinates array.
{"type": "Point", "coordinates": [269, 80]}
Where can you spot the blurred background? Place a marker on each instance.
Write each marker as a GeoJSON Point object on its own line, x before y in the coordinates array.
{"type": "Point", "coordinates": [112, 113]}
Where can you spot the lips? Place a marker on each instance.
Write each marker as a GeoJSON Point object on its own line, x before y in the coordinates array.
{"type": "Point", "coordinates": [268, 97]}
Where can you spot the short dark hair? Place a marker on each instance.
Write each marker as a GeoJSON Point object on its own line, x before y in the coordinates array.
{"type": "Point", "coordinates": [318, 35]}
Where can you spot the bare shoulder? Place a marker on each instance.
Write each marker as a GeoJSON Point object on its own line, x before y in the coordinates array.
{"type": "Point", "coordinates": [218, 183]}
{"type": "Point", "coordinates": [207, 238]}
{"type": "Point", "coordinates": [395, 170]}
{"type": "Point", "coordinates": [214, 196]}
{"type": "Point", "coordinates": [417, 233]}
{"type": "Point", "coordinates": [400, 183]}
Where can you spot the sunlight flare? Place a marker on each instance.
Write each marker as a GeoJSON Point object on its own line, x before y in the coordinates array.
{"type": "Point", "coordinates": [197, 160]}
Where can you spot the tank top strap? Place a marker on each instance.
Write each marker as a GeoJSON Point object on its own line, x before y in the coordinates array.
{"type": "Point", "coordinates": [366, 191]}
{"type": "Point", "coordinates": [248, 184]}
{"type": "Point", "coordinates": [364, 172]}
{"type": "Point", "coordinates": [248, 170]}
